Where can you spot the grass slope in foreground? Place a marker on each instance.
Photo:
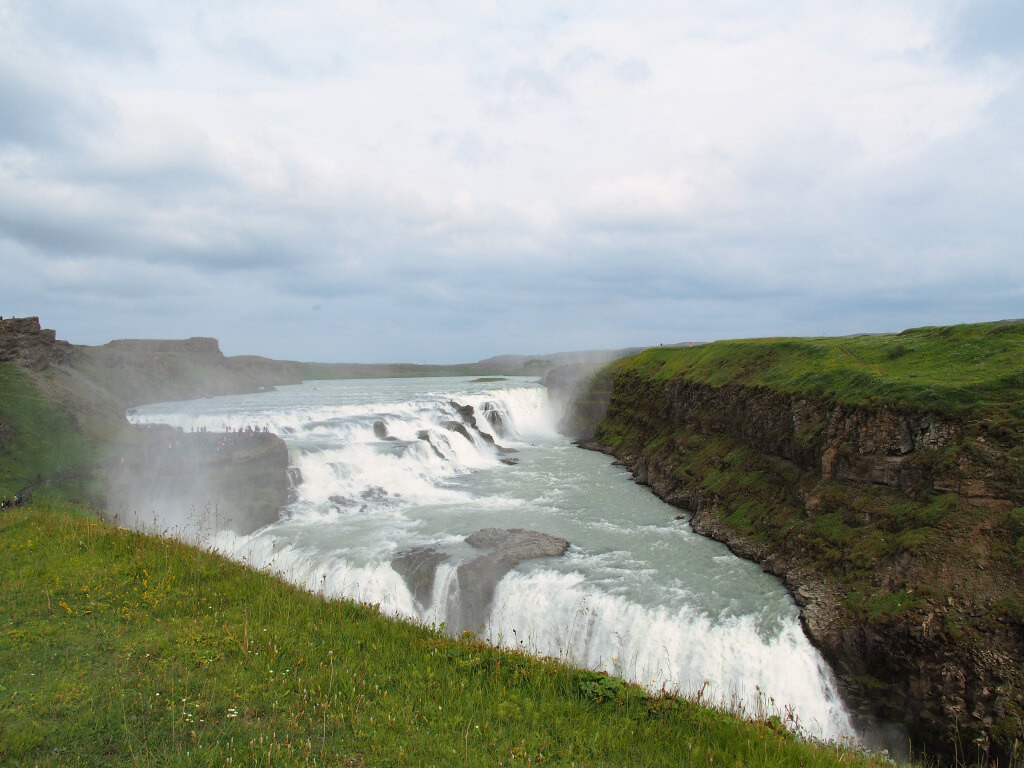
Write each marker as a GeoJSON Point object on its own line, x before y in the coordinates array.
{"type": "Point", "coordinates": [125, 649]}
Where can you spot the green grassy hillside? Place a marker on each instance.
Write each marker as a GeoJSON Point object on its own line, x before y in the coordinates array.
{"type": "Point", "coordinates": [123, 649]}
{"type": "Point", "coordinates": [37, 436]}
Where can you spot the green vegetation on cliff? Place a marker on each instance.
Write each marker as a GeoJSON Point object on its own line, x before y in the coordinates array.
{"type": "Point", "coordinates": [883, 478]}
{"type": "Point", "coordinates": [37, 436]}
{"type": "Point", "coordinates": [952, 370]}
{"type": "Point", "coordinates": [120, 648]}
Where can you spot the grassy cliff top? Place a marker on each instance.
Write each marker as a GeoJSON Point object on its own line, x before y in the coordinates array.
{"type": "Point", "coordinates": [952, 370]}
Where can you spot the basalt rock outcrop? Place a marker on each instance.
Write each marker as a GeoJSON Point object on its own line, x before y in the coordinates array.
{"type": "Point", "coordinates": [418, 567]}
{"type": "Point", "coordinates": [197, 483]}
{"type": "Point", "coordinates": [502, 550]}
{"type": "Point", "coordinates": [468, 423]}
{"type": "Point", "coordinates": [153, 370]}
{"type": "Point", "coordinates": [505, 549]}
{"type": "Point", "coordinates": [25, 343]}
{"type": "Point", "coordinates": [892, 528]}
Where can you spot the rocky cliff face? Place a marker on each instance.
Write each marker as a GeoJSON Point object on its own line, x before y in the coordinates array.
{"type": "Point", "coordinates": [24, 343]}
{"type": "Point", "coordinates": [197, 483]}
{"type": "Point", "coordinates": [151, 370]}
{"type": "Point", "coordinates": [892, 529]}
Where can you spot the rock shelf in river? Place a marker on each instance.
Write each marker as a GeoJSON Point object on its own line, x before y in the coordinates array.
{"type": "Point", "coordinates": [478, 578]}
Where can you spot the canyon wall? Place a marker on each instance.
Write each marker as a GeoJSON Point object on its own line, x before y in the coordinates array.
{"type": "Point", "coordinates": [898, 531]}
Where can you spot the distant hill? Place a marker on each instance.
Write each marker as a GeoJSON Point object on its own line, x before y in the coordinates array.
{"type": "Point", "coordinates": [150, 370]}
{"type": "Point", "coordinates": [541, 364]}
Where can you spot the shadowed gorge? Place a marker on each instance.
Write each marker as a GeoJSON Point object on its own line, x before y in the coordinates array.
{"type": "Point", "coordinates": [881, 478]}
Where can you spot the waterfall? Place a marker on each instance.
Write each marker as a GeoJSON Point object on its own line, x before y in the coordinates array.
{"type": "Point", "coordinates": [401, 480]}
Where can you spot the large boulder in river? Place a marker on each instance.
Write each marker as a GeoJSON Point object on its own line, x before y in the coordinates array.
{"type": "Point", "coordinates": [518, 543]}
{"type": "Point", "coordinates": [418, 567]}
{"type": "Point", "coordinates": [479, 578]}
{"type": "Point", "coordinates": [454, 426]}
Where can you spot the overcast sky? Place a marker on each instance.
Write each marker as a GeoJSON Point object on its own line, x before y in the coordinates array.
{"type": "Point", "coordinates": [445, 181]}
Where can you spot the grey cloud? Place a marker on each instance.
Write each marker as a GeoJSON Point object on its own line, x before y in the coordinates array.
{"type": "Point", "coordinates": [99, 28]}
{"type": "Point", "coordinates": [989, 28]}
{"type": "Point", "coordinates": [173, 239]}
{"type": "Point", "coordinates": [254, 53]}
{"type": "Point", "coordinates": [270, 52]}
{"type": "Point", "coordinates": [40, 109]}
{"type": "Point", "coordinates": [469, 148]}
{"type": "Point", "coordinates": [167, 184]}
{"type": "Point", "coordinates": [962, 196]}
{"type": "Point", "coordinates": [580, 59]}
{"type": "Point", "coordinates": [208, 243]}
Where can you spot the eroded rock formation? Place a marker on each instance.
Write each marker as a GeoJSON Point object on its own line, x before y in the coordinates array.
{"type": "Point", "coordinates": [504, 549]}
{"type": "Point", "coordinates": [23, 342]}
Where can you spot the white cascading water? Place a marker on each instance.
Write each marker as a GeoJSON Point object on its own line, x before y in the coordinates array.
{"type": "Point", "coordinates": [393, 466]}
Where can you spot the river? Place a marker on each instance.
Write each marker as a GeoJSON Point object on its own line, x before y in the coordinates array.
{"type": "Point", "coordinates": [394, 472]}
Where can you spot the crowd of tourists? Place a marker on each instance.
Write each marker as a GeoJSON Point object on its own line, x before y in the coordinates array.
{"type": "Point", "coordinates": [13, 501]}
{"type": "Point", "coordinates": [249, 429]}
